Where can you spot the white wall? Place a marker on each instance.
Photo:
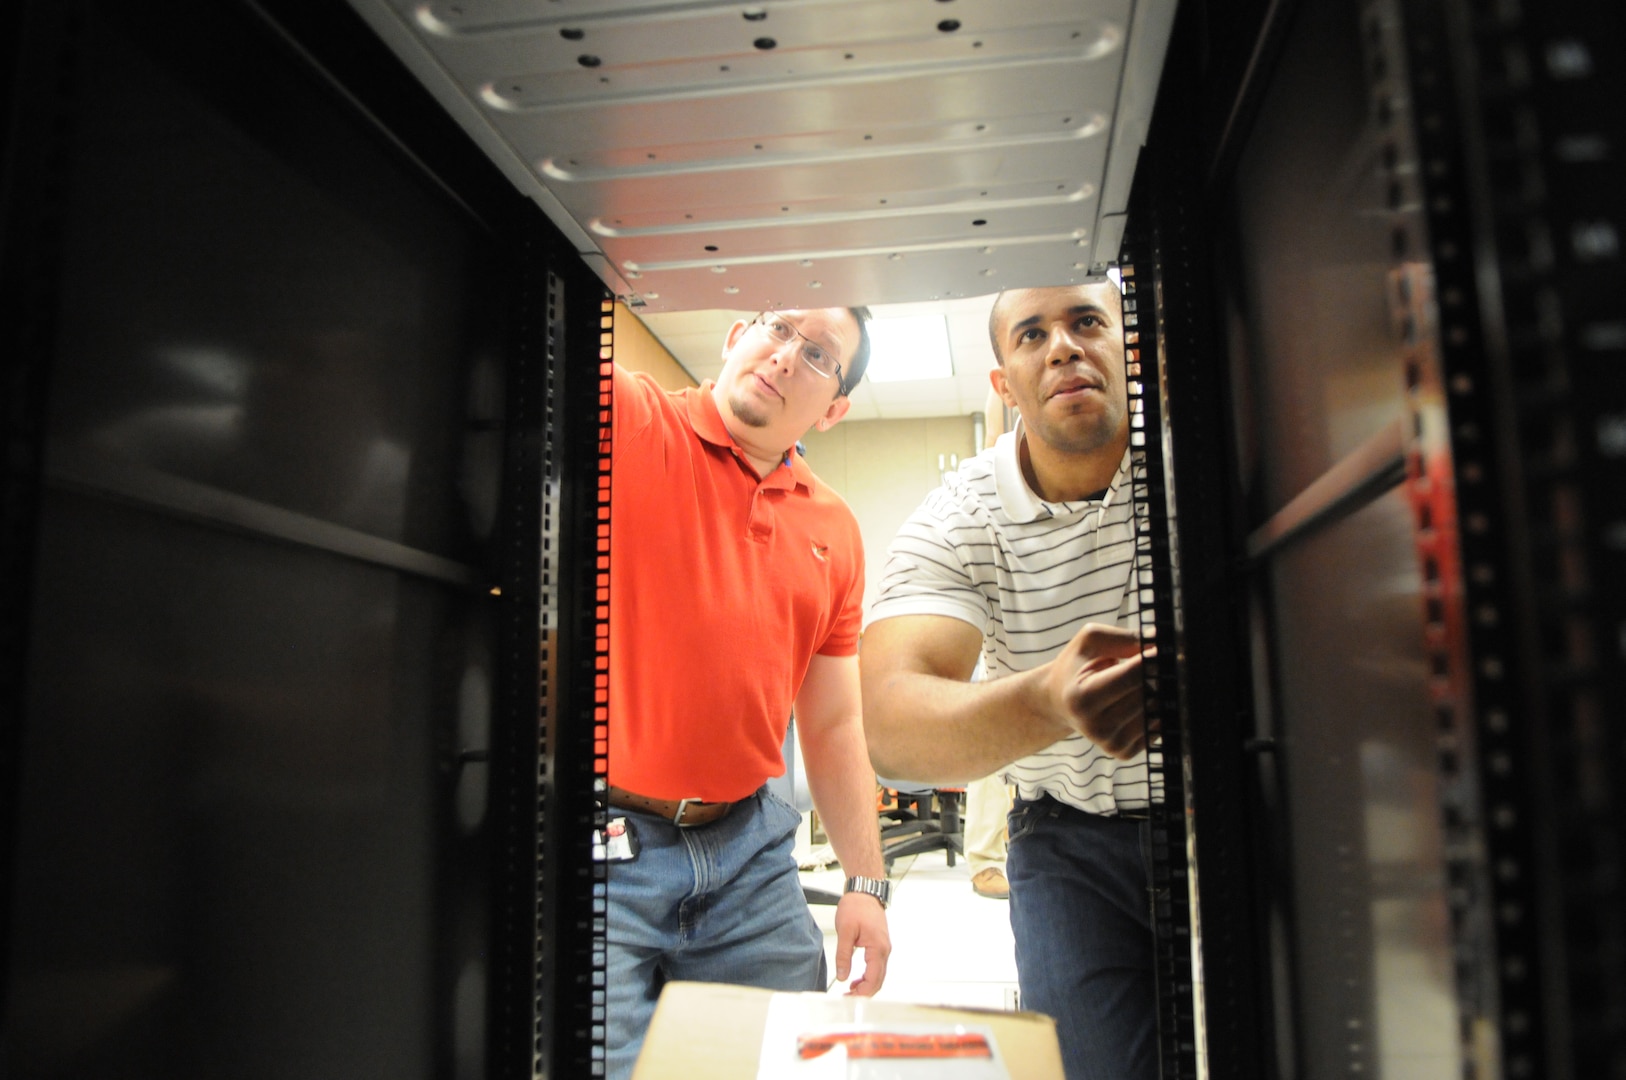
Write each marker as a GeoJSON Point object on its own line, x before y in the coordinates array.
{"type": "Point", "coordinates": [884, 468]}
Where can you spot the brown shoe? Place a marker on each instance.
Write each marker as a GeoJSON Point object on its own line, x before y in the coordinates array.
{"type": "Point", "coordinates": [990, 882]}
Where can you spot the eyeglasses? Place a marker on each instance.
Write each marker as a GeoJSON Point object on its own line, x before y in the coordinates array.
{"type": "Point", "coordinates": [814, 355]}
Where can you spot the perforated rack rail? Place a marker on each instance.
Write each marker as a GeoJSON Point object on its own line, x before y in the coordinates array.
{"type": "Point", "coordinates": [560, 399]}
{"type": "Point", "coordinates": [1153, 581]}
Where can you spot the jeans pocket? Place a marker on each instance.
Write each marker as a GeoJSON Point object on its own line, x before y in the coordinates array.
{"type": "Point", "coordinates": [777, 810]}
{"type": "Point", "coordinates": [1021, 822]}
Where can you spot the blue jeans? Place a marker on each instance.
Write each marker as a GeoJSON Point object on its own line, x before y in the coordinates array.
{"type": "Point", "coordinates": [717, 903]}
{"type": "Point", "coordinates": [1081, 912]}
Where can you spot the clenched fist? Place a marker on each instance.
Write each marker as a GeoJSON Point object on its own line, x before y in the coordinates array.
{"type": "Point", "coordinates": [1094, 687]}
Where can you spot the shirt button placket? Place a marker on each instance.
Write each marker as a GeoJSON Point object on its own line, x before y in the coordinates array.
{"type": "Point", "coordinates": [761, 524]}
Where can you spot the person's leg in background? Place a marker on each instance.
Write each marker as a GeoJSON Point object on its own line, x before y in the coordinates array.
{"type": "Point", "coordinates": [1081, 915]}
{"type": "Point", "coordinates": [987, 802]}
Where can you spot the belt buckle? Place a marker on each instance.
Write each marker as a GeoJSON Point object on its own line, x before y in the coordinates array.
{"type": "Point", "coordinates": [683, 806]}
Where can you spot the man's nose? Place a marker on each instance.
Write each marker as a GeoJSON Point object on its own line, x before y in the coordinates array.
{"type": "Point", "coordinates": [785, 353]}
{"type": "Point", "coordinates": [1064, 348]}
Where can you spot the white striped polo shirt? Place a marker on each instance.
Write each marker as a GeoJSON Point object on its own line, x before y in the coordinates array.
{"type": "Point", "coordinates": [985, 548]}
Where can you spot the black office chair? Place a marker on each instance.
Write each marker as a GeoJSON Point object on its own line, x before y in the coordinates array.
{"type": "Point", "coordinates": [919, 819]}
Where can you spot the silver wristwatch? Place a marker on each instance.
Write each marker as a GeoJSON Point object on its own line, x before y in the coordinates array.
{"type": "Point", "coordinates": [879, 888]}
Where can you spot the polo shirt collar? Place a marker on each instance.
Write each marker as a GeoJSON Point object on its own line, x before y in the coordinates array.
{"type": "Point", "coordinates": [708, 424]}
{"type": "Point", "coordinates": [1020, 502]}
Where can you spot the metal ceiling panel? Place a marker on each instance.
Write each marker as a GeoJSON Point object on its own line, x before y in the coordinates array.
{"type": "Point", "coordinates": [800, 152]}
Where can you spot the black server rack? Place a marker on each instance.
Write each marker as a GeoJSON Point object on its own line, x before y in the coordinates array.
{"type": "Point", "coordinates": [301, 531]}
{"type": "Point", "coordinates": [1408, 306]}
{"type": "Point", "coordinates": [306, 507]}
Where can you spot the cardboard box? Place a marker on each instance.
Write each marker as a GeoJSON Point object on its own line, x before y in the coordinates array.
{"type": "Point", "coordinates": [715, 1031]}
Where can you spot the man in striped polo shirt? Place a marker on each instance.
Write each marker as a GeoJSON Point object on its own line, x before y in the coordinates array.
{"type": "Point", "coordinates": [1025, 554]}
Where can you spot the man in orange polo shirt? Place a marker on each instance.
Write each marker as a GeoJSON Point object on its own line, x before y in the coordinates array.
{"type": "Point", "coordinates": [735, 584]}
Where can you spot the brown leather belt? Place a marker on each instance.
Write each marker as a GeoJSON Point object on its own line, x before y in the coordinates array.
{"type": "Point", "coordinates": [684, 813]}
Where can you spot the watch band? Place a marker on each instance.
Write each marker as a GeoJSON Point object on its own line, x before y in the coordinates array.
{"type": "Point", "coordinates": [880, 888]}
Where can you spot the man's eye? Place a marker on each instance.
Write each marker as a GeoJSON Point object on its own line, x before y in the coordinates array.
{"type": "Point", "coordinates": [780, 329]}
{"type": "Point", "coordinates": [813, 355]}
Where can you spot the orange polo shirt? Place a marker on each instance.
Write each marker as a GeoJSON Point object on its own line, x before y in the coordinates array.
{"type": "Point", "coordinates": [722, 588]}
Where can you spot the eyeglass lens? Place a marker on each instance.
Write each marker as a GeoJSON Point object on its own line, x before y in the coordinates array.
{"type": "Point", "coordinates": [812, 354]}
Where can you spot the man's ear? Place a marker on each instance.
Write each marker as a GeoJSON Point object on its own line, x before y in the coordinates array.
{"type": "Point", "coordinates": [996, 378]}
{"type": "Point", "coordinates": [734, 333]}
{"type": "Point", "coordinates": [838, 408]}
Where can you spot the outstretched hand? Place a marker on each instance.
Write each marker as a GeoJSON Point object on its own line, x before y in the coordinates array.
{"type": "Point", "coordinates": [1095, 688]}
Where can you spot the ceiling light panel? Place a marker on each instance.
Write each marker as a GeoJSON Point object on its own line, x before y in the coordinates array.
{"type": "Point", "coordinates": [805, 152]}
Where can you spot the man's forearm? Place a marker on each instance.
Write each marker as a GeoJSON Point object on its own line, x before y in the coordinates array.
{"type": "Point", "coordinates": [843, 788]}
{"type": "Point", "coordinates": [945, 731]}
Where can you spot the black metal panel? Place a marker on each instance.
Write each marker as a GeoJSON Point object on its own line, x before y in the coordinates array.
{"type": "Point", "coordinates": [526, 678]}
{"type": "Point", "coordinates": [35, 143]}
{"type": "Point", "coordinates": [268, 752]}
{"type": "Point", "coordinates": [252, 303]}
{"type": "Point", "coordinates": [1427, 209]}
{"type": "Point", "coordinates": [1520, 132]}
{"type": "Point", "coordinates": [1356, 747]}
{"type": "Point", "coordinates": [1314, 247]}
{"type": "Point", "coordinates": [232, 796]}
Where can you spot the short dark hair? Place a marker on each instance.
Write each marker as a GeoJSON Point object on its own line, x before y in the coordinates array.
{"type": "Point", "coordinates": [993, 328]}
{"type": "Point", "coordinates": [854, 370]}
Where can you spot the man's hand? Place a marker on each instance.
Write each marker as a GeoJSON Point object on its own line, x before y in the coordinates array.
{"type": "Point", "coordinates": [861, 923]}
{"type": "Point", "coordinates": [1094, 686]}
